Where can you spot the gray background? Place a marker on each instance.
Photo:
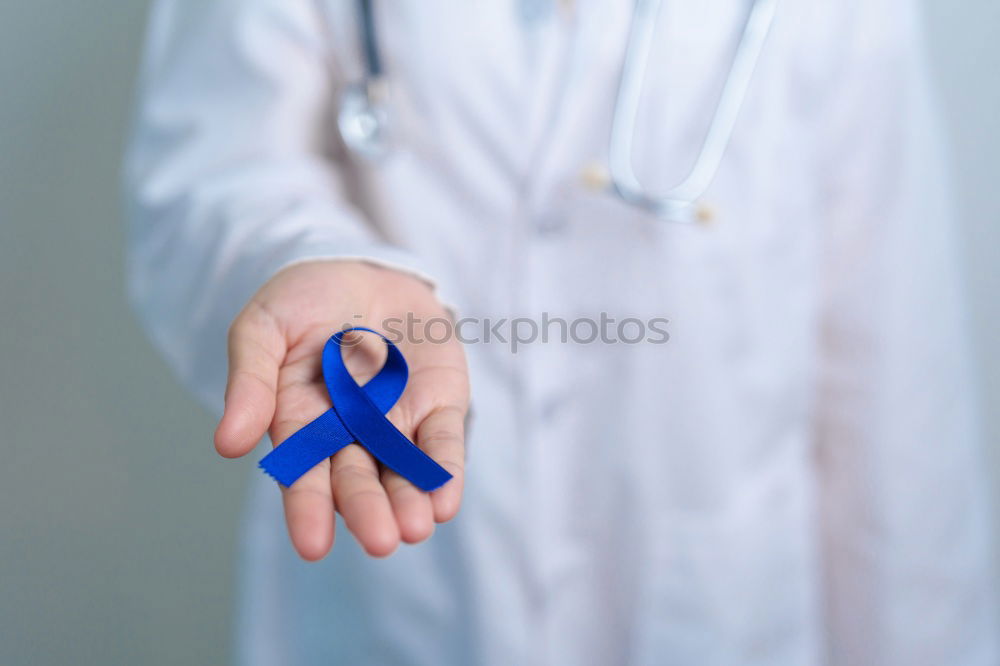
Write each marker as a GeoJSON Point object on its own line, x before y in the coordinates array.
{"type": "Point", "coordinates": [117, 522]}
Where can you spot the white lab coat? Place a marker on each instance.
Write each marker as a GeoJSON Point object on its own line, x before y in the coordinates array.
{"type": "Point", "coordinates": [792, 479]}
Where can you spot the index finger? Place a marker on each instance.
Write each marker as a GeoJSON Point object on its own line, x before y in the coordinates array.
{"type": "Point", "coordinates": [442, 436]}
{"type": "Point", "coordinates": [433, 408]}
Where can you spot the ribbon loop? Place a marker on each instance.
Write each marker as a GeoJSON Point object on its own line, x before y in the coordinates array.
{"type": "Point", "coordinates": [358, 414]}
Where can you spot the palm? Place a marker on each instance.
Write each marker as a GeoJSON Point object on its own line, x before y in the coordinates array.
{"type": "Point", "coordinates": [292, 317]}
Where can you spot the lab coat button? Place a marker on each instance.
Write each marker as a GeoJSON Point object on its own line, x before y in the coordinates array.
{"type": "Point", "coordinates": [534, 11]}
{"type": "Point", "coordinates": [550, 224]}
{"type": "Point", "coordinates": [549, 408]}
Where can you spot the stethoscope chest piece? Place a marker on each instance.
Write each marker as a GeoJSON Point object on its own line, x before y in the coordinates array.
{"type": "Point", "coordinates": [363, 120]}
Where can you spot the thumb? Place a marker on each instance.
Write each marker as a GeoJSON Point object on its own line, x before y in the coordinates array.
{"type": "Point", "coordinates": [256, 351]}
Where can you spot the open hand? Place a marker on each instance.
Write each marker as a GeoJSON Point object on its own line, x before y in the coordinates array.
{"type": "Point", "coordinates": [276, 386]}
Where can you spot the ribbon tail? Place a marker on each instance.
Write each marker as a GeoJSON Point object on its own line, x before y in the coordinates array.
{"type": "Point", "coordinates": [403, 457]}
{"type": "Point", "coordinates": [306, 448]}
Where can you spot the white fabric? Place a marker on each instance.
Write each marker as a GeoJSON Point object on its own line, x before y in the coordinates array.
{"type": "Point", "coordinates": [793, 478]}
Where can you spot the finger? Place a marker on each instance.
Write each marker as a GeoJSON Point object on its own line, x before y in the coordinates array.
{"type": "Point", "coordinates": [361, 500]}
{"type": "Point", "coordinates": [256, 350]}
{"type": "Point", "coordinates": [309, 513]}
{"type": "Point", "coordinates": [309, 501]}
{"type": "Point", "coordinates": [411, 507]}
{"type": "Point", "coordinates": [436, 400]}
{"type": "Point", "coordinates": [442, 436]}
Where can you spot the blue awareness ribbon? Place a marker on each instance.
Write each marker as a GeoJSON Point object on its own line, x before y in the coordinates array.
{"type": "Point", "coordinates": [357, 415]}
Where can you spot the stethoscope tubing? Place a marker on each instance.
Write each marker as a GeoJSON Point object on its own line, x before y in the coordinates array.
{"type": "Point", "coordinates": [676, 204]}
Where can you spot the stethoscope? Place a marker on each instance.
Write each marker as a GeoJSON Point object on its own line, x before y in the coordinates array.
{"type": "Point", "coordinates": [363, 119]}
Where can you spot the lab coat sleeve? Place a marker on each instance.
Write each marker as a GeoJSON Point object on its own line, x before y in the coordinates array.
{"type": "Point", "coordinates": [904, 497]}
{"type": "Point", "coordinates": [228, 177]}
